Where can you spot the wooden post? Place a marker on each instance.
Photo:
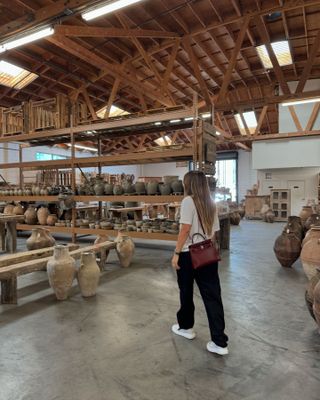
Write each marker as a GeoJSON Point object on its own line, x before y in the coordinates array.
{"type": "Point", "coordinates": [9, 291]}
{"type": "Point", "coordinates": [20, 169]}
{"type": "Point", "coordinates": [73, 175]}
{"type": "Point", "coordinates": [195, 130]}
{"type": "Point", "coordinates": [99, 172]}
{"type": "Point", "coordinates": [11, 237]}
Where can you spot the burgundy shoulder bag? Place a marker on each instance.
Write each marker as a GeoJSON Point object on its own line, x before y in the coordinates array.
{"type": "Point", "coordinates": [203, 253]}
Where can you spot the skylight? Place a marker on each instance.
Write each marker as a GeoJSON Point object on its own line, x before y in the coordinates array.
{"type": "Point", "coordinates": [15, 77]}
{"type": "Point", "coordinates": [114, 112]}
{"type": "Point", "coordinates": [251, 121]}
{"type": "Point", "coordinates": [281, 51]}
{"type": "Point", "coordinates": [164, 141]}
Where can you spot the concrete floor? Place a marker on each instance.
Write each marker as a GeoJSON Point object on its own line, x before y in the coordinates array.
{"type": "Point", "coordinates": [118, 346]}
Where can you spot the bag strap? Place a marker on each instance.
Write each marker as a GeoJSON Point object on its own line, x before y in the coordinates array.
{"type": "Point", "coordinates": [200, 224]}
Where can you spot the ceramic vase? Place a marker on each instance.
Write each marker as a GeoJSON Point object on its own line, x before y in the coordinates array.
{"type": "Point", "coordinates": [310, 257]}
{"type": "Point", "coordinates": [152, 188]}
{"type": "Point", "coordinates": [165, 189]}
{"type": "Point", "coordinates": [42, 215]}
{"type": "Point", "coordinates": [30, 216]}
{"type": "Point", "coordinates": [287, 248]}
{"type": "Point", "coordinates": [108, 189]}
{"type": "Point", "coordinates": [305, 213]}
{"type": "Point", "coordinates": [177, 187]}
{"type": "Point", "coordinates": [88, 274]}
{"type": "Point", "coordinates": [103, 254]}
{"type": "Point", "coordinates": [8, 209]}
{"type": "Point", "coordinates": [124, 248]}
{"type": "Point", "coordinates": [61, 269]}
{"type": "Point", "coordinates": [117, 190]}
{"type": "Point", "coordinates": [309, 294]}
{"type": "Point", "coordinates": [140, 188]}
{"type": "Point", "coordinates": [294, 224]}
{"type": "Point", "coordinates": [314, 219]}
{"type": "Point", "coordinates": [52, 219]}
{"type": "Point", "coordinates": [314, 232]}
{"type": "Point", "coordinates": [40, 238]}
{"type": "Point", "coordinates": [18, 210]}
{"type": "Point", "coordinates": [128, 187]}
{"type": "Point", "coordinates": [99, 187]}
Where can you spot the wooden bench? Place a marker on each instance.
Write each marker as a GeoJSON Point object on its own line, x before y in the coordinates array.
{"type": "Point", "coordinates": [10, 273]}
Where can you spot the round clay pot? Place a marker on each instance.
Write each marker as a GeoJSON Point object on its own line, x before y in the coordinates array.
{"type": "Point", "coordinates": [30, 216]}
{"type": "Point", "coordinates": [167, 180]}
{"type": "Point", "coordinates": [305, 213]}
{"type": "Point", "coordinates": [316, 303]}
{"type": "Point", "coordinates": [287, 248]}
{"type": "Point", "coordinates": [235, 218]}
{"type": "Point", "coordinates": [269, 216]}
{"type": "Point", "coordinates": [314, 219]}
{"type": "Point", "coordinates": [52, 219]}
{"type": "Point", "coordinates": [99, 187]}
{"type": "Point", "coordinates": [152, 188]}
{"type": "Point", "coordinates": [117, 190]}
{"type": "Point", "coordinates": [309, 294]}
{"type": "Point", "coordinates": [8, 209]}
{"type": "Point", "coordinates": [61, 269]}
{"type": "Point", "coordinates": [313, 232]}
{"type": "Point", "coordinates": [165, 189]}
{"type": "Point", "coordinates": [177, 187]}
{"type": "Point", "coordinates": [40, 238]}
{"type": "Point", "coordinates": [310, 256]}
{"type": "Point", "coordinates": [108, 189]}
{"type": "Point", "coordinates": [18, 210]}
{"type": "Point", "coordinates": [42, 215]}
{"type": "Point", "coordinates": [88, 274]}
{"type": "Point", "coordinates": [140, 188]}
{"type": "Point", "coordinates": [128, 187]}
{"type": "Point", "coordinates": [124, 248]}
{"type": "Point", "coordinates": [103, 254]}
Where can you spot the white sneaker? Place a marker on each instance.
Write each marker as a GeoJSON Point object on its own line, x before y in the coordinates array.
{"type": "Point", "coordinates": [187, 333]}
{"type": "Point", "coordinates": [213, 348]}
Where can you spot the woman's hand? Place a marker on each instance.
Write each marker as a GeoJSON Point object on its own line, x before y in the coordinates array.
{"type": "Point", "coordinates": [174, 262]}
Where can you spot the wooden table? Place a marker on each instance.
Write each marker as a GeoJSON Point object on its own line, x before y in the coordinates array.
{"type": "Point", "coordinates": [8, 231]}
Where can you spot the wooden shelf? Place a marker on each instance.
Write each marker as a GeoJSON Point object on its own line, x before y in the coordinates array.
{"type": "Point", "coordinates": [123, 198]}
{"type": "Point", "coordinates": [81, 231]}
{"type": "Point", "coordinates": [29, 198]}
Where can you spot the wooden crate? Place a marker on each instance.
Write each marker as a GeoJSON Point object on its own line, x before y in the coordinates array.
{"type": "Point", "coordinates": [14, 120]}
{"type": "Point", "coordinates": [49, 114]}
{"type": "Point", "coordinates": [281, 204]}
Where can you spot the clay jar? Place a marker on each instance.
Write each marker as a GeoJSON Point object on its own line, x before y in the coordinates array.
{"type": "Point", "coordinates": [310, 256]}
{"type": "Point", "coordinates": [314, 232]}
{"type": "Point", "coordinates": [103, 254]}
{"type": "Point", "coordinates": [8, 209]}
{"type": "Point", "coordinates": [314, 219]}
{"type": "Point", "coordinates": [42, 215]}
{"type": "Point", "coordinates": [316, 303]}
{"type": "Point", "coordinates": [287, 248]}
{"type": "Point", "coordinates": [99, 187]}
{"type": "Point", "coordinates": [61, 269]}
{"type": "Point", "coordinates": [235, 218]}
{"type": "Point", "coordinates": [152, 188]}
{"type": "Point", "coordinates": [169, 179]}
{"type": "Point", "coordinates": [108, 188]}
{"type": "Point", "coordinates": [88, 274]}
{"type": "Point", "coordinates": [295, 225]}
{"type": "Point", "coordinates": [140, 188]}
{"type": "Point", "coordinates": [309, 295]}
{"type": "Point", "coordinates": [52, 219]}
{"type": "Point", "coordinates": [117, 190]}
{"type": "Point", "coordinates": [30, 216]}
{"type": "Point", "coordinates": [128, 187]}
{"type": "Point", "coordinates": [124, 248]}
{"type": "Point", "coordinates": [177, 186]}
{"type": "Point", "coordinates": [165, 189]}
{"type": "Point", "coordinates": [305, 213]}
{"type": "Point", "coordinates": [18, 210]}
{"type": "Point", "coordinates": [39, 239]}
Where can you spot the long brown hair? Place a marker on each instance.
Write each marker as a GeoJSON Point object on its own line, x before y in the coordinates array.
{"type": "Point", "coordinates": [196, 185]}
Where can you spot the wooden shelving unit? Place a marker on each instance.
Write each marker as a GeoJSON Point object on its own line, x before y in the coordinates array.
{"type": "Point", "coordinates": [280, 204]}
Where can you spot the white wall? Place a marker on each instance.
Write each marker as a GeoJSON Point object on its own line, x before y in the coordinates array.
{"type": "Point", "coordinates": [247, 176]}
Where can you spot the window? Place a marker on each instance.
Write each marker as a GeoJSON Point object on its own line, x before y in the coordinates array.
{"type": "Point", "coordinates": [47, 156]}
{"type": "Point", "coordinates": [281, 51]}
{"type": "Point", "coordinates": [251, 122]}
{"type": "Point", "coordinates": [14, 76]}
{"type": "Point", "coordinates": [226, 174]}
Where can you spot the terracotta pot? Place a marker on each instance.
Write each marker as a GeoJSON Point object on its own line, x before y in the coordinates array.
{"type": "Point", "coordinates": [108, 188]}
{"type": "Point", "coordinates": [295, 225]}
{"type": "Point", "coordinates": [61, 269]}
{"type": "Point", "coordinates": [42, 215]}
{"type": "Point", "coordinates": [305, 213]}
{"type": "Point", "coordinates": [40, 238]}
{"type": "Point", "coordinates": [140, 188]}
{"type": "Point", "coordinates": [124, 248]}
{"type": "Point", "coordinates": [316, 303]}
{"type": "Point", "coordinates": [310, 256]}
{"type": "Point", "coordinates": [165, 189]}
{"type": "Point", "coordinates": [99, 187]}
{"type": "Point", "coordinates": [152, 188]}
{"type": "Point", "coordinates": [287, 248]}
{"type": "Point", "coordinates": [309, 295]}
{"type": "Point", "coordinates": [30, 216]}
{"type": "Point", "coordinates": [8, 209]}
{"type": "Point", "coordinates": [88, 274]}
{"type": "Point", "coordinates": [269, 216]}
{"type": "Point", "coordinates": [177, 187]}
{"type": "Point", "coordinates": [314, 219]}
{"type": "Point", "coordinates": [52, 219]}
{"type": "Point", "coordinates": [117, 190]}
{"type": "Point", "coordinates": [103, 254]}
{"type": "Point", "coordinates": [314, 232]}
{"type": "Point", "coordinates": [235, 218]}
{"type": "Point", "coordinates": [18, 210]}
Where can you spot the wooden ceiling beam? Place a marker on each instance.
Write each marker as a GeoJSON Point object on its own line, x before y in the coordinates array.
{"type": "Point", "coordinates": [295, 118]}
{"type": "Point", "coordinates": [89, 104]}
{"type": "Point", "coordinates": [172, 58]}
{"type": "Point", "coordinates": [313, 117]}
{"type": "Point", "coordinates": [112, 96]}
{"type": "Point", "coordinates": [261, 119]}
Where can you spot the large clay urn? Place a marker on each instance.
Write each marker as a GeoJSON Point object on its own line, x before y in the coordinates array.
{"type": "Point", "coordinates": [18, 210]}
{"type": "Point", "coordinates": [177, 187]}
{"type": "Point", "coordinates": [61, 269]}
{"type": "Point", "coordinates": [316, 303]}
{"type": "Point", "coordinates": [30, 216]}
{"type": "Point", "coordinates": [42, 215]}
{"type": "Point", "coordinates": [124, 248]}
{"type": "Point", "coordinates": [295, 225]}
{"type": "Point", "coordinates": [8, 209]}
{"type": "Point", "coordinates": [39, 239]}
{"type": "Point", "coordinates": [103, 254]}
{"type": "Point", "coordinates": [314, 232]}
{"type": "Point", "coordinates": [310, 256]}
{"type": "Point", "coordinates": [287, 248]}
{"type": "Point", "coordinates": [88, 274]}
{"type": "Point", "coordinates": [309, 295]}
{"type": "Point", "coordinates": [99, 187]}
{"type": "Point", "coordinates": [152, 188]}
{"type": "Point", "coordinates": [305, 213]}
{"type": "Point", "coordinates": [52, 219]}
{"type": "Point", "coordinates": [140, 188]}
{"type": "Point", "coordinates": [314, 219]}
{"type": "Point", "coordinates": [165, 189]}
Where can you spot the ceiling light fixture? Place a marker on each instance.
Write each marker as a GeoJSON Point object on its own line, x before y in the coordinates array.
{"type": "Point", "coordinates": [158, 123]}
{"type": "Point", "coordinates": [206, 115]}
{"type": "Point", "coordinates": [20, 41]}
{"type": "Point", "coordinates": [107, 8]}
{"type": "Point", "coordinates": [173, 121]}
{"type": "Point", "coordinates": [297, 102]}
{"type": "Point", "coordinates": [78, 146]}
{"type": "Point", "coordinates": [188, 119]}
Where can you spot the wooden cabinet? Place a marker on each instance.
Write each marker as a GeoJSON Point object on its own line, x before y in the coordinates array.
{"type": "Point", "coordinates": [254, 204]}
{"type": "Point", "coordinates": [280, 204]}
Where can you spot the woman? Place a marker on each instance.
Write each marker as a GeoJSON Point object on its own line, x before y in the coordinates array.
{"type": "Point", "coordinates": [198, 204]}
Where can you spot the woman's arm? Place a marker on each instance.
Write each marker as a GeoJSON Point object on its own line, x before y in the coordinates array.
{"type": "Point", "coordinates": [182, 237]}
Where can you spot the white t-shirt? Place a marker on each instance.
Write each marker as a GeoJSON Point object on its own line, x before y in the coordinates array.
{"type": "Point", "coordinates": [189, 216]}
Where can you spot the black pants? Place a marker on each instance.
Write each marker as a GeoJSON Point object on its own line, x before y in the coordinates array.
{"type": "Point", "coordinates": [207, 279]}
